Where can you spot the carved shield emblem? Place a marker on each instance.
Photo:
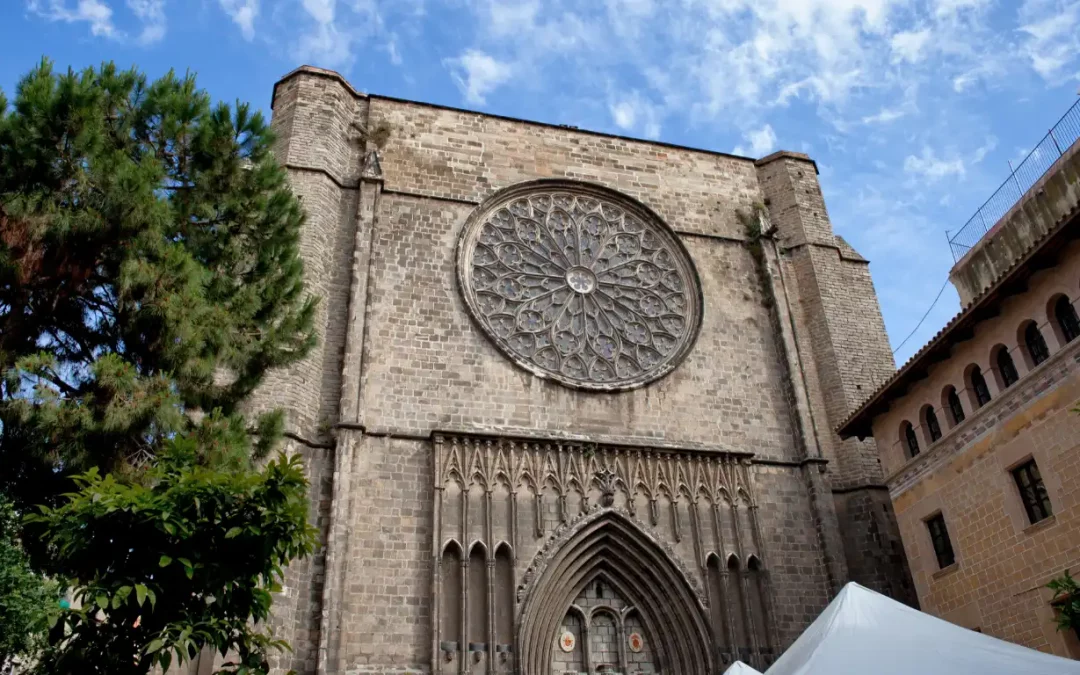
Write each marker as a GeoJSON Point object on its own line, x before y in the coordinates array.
{"type": "Point", "coordinates": [567, 641]}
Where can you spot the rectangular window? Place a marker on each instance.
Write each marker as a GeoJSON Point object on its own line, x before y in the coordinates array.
{"type": "Point", "coordinates": [939, 535]}
{"type": "Point", "coordinates": [1032, 491]}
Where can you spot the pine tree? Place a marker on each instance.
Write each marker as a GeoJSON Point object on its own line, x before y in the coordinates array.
{"type": "Point", "coordinates": [149, 277]}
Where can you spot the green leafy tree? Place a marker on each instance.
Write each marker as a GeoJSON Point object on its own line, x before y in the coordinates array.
{"type": "Point", "coordinates": [164, 569]}
{"type": "Point", "coordinates": [1066, 600]}
{"type": "Point", "coordinates": [149, 277]}
{"type": "Point", "coordinates": [26, 599]}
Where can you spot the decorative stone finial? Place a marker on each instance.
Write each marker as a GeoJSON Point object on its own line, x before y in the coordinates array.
{"type": "Point", "coordinates": [606, 480]}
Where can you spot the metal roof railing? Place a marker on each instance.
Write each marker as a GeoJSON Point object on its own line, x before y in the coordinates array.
{"type": "Point", "coordinates": [1060, 137]}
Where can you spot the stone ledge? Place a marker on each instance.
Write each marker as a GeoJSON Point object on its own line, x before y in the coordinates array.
{"type": "Point", "coordinates": [786, 154]}
{"type": "Point", "coordinates": [1043, 524]}
{"type": "Point", "coordinates": [945, 571]}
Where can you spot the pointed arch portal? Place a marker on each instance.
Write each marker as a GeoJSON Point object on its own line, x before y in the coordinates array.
{"type": "Point", "coordinates": [612, 548]}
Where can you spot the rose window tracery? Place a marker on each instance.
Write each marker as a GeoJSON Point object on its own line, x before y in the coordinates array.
{"type": "Point", "coordinates": [578, 284]}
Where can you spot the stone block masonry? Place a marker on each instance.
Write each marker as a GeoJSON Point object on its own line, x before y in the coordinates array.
{"type": "Point", "coordinates": [401, 363]}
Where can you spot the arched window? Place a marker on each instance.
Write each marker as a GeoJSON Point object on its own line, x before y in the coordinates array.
{"type": "Point", "coordinates": [956, 409]}
{"type": "Point", "coordinates": [1065, 314]}
{"type": "Point", "coordinates": [910, 440]}
{"type": "Point", "coordinates": [978, 385]}
{"type": "Point", "coordinates": [932, 426]}
{"type": "Point", "coordinates": [1036, 345]}
{"type": "Point", "coordinates": [1006, 368]}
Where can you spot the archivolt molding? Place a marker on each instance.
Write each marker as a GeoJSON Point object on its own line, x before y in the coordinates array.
{"type": "Point", "coordinates": [608, 544]}
{"type": "Point", "coordinates": [567, 531]}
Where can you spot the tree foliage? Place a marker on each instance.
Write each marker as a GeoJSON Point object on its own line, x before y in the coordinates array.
{"type": "Point", "coordinates": [149, 267]}
{"type": "Point", "coordinates": [163, 569]}
{"type": "Point", "coordinates": [26, 599]}
{"type": "Point", "coordinates": [1066, 600]}
{"type": "Point", "coordinates": [149, 278]}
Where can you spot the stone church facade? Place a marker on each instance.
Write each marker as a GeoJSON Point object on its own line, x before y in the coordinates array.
{"type": "Point", "coordinates": [573, 403]}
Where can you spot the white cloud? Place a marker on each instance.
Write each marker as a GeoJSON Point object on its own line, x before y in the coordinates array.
{"type": "Point", "coordinates": [929, 166]}
{"type": "Point", "coordinates": [909, 46]}
{"type": "Point", "coordinates": [983, 150]}
{"type": "Point", "coordinates": [477, 74]}
{"type": "Point", "coordinates": [885, 116]}
{"type": "Point", "coordinates": [151, 14]}
{"type": "Point", "coordinates": [325, 45]}
{"type": "Point", "coordinates": [96, 13]}
{"type": "Point", "coordinates": [330, 31]}
{"type": "Point", "coordinates": [624, 114]}
{"type": "Point", "coordinates": [243, 13]}
{"type": "Point", "coordinates": [506, 17]}
{"type": "Point", "coordinates": [322, 11]}
{"type": "Point", "coordinates": [949, 8]}
{"type": "Point", "coordinates": [1051, 34]}
{"type": "Point", "coordinates": [634, 113]}
{"type": "Point", "coordinates": [762, 142]}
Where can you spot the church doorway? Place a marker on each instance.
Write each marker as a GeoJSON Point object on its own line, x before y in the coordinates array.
{"type": "Point", "coordinates": [609, 600]}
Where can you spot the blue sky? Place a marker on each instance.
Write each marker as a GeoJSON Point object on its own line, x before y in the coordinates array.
{"type": "Point", "coordinates": [912, 108]}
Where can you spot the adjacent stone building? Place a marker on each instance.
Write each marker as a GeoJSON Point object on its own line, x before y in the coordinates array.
{"type": "Point", "coordinates": [978, 432]}
{"type": "Point", "coordinates": [572, 405]}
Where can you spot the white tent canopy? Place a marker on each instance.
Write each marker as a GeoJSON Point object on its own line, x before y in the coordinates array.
{"type": "Point", "coordinates": [865, 633]}
{"type": "Point", "coordinates": [740, 668]}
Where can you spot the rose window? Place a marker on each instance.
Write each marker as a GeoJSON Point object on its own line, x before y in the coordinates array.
{"type": "Point", "coordinates": [580, 285]}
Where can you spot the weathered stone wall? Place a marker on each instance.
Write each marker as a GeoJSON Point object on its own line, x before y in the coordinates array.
{"type": "Point", "coordinates": [775, 367]}
{"type": "Point", "coordinates": [313, 119]}
{"type": "Point", "coordinates": [465, 156]}
{"type": "Point", "coordinates": [844, 355]}
{"type": "Point", "coordinates": [297, 609]}
{"type": "Point", "coordinates": [1055, 197]}
{"type": "Point", "coordinates": [427, 365]}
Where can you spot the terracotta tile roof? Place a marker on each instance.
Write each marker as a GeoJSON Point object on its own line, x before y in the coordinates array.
{"type": "Point", "coordinates": [961, 327]}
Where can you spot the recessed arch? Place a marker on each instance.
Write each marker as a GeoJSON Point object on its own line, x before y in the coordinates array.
{"type": "Point", "coordinates": [758, 605]}
{"type": "Point", "coordinates": [950, 402]}
{"type": "Point", "coordinates": [909, 442]}
{"type": "Point", "coordinates": [740, 621]}
{"type": "Point", "coordinates": [610, 545]}
{"type": "Point", "coordinates": [452, 582]}
{"type": "Point", "coordinates": [504, 596]}
{"type": "Point", "coordinates": [717, 600]}
{"type": "Point", "coordinates": [1034, 349]}
{"type": "Point", "coordinates": [978, 390]}
{"type": "Point", "coordinates": [478, 544]}
{"type": "Point", "coordinates": [1062, 314]}
{"type": "Point", "coordinates": [1003, 367]}
{"type": "Point", "coordinates": [928, 420]}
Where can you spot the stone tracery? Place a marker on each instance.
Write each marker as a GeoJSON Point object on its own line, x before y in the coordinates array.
{"type": "Point", "coordinates": [579, 284]}
{"type": "Point", "coordinates": [684, 514]}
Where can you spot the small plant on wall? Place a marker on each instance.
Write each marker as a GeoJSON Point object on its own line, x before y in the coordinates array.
{"type": "Point", "coordinates": [1066, 601]}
